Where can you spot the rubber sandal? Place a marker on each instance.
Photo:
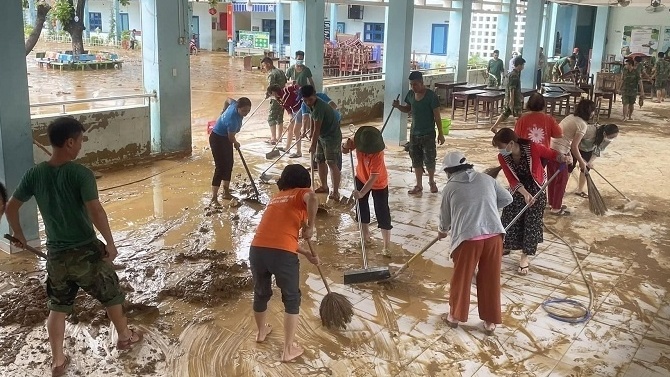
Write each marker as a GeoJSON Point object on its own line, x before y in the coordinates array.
{"type": "Point", "coordinates": [415, 190]}
{"type": "Point", "coordinates": [523, 270]}
{"type": "Point", "coordinates": [129, 343]}
{"type": "Point", "coordinates": [562, 212]}
{"type": "Point", "coordinates": [506, 251]}
{"type": "Point", "coordinates": [295, 155]}
{"type": "Point", "coordinates": [334, 197]}
{"type": "Point", "coordinates": [322, 190]}
{"type": "Point", "coordinates": [61, 369]}
{"type": "Point", "coordinates": [582, 194]}
{"type": "Point", "coordinates": [489, 330]}
{"type": "Point", "coordinates": [386, 253]}
{"type": "Point", "coordinates": [445, 317]}
{"type": "Point", "coordinates": [226, 196]}
{"type": "Point", "coordinates": [281, 149]}
{"type": "Point", "coordinates": [433, 188]}
{"type": "Point", "coordinates": [271, 142]}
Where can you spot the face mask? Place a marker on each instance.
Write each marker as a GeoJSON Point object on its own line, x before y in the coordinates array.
{"type": "Point", "coordinates": [608, 139]}
{"type": "Point", "coordinates": [299, 62]}
{"type": "Point", "coordinates": [504, 152]}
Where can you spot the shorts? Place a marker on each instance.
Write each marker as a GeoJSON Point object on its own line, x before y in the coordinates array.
{"type": "Point", "coordinates": [628, 99]}
{"type": "Point", "coordinates": [423, 151]}
{"type": "Point", "coordinates": [285, 266]}
{"type": "Point", "coordinates": [660, 84]}
{"type": "Point", "coordinates": [586, 155]}
{"type": "Point", "coordinates": [81, 267]}
{"type": "Point", "coordinates": [329, 150]}
{"type": "Point", "coordinates": [276, 115]}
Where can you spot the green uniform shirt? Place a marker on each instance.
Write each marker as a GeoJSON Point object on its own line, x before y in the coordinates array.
{"type": "Point", "coordinates": [423, 120]}
{"type": "Point", "coordinates": [301, 78]}
{"type": "Point", "coordinates": [514, 83]}
{"type": "Point", "coordinates": [662, 70]}
{"type": "Point", "coordinates": [496, 68]}
{"type": "Point", "coordinates": [560, 63]}
{"type": "Point", "coordinates": [276, 77]}
{"type": "Point", "coordinates": [60, 192]}
{"type": "Point", "coordinates": [330, 126]}
{"type": "Point", "coordinates": [630, 82]}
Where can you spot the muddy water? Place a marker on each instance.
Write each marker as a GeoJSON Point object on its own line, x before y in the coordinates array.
{"type": "Point", "coordinates": [189, 263]}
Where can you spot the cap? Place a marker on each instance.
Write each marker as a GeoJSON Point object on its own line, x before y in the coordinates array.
{"type": "Point", "coordinates": [453, 159]}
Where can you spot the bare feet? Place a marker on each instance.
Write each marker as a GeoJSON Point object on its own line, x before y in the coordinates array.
{"type": "Point", "coordinates": [262, 333]}
{"type": "Point", "coordinates": [215, 203]}
{"type": "Point", "coordinates": [291, 352]}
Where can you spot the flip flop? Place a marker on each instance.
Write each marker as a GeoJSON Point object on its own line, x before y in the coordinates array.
{"type": "Point", "coordinates": [522, 270]}
{"type": "Point", "coordinates": [445, 317]}
{"type": "Point", "coordinates": [129, 343]}
{"type": "Point", "coordinates": [61, 369]}
{"type": "Point", "coordinates": [489, 330]}
{"type": "Point", "coordinates": [433, 188]}
{"type": "Point", "coordinates": [582, 194]}
{"type": "Point", "coordinates": [321, 190]}
{"type": "Point", "coordinates": [415, 190]}
{"type": "Point", "coordinates": [562, 212]}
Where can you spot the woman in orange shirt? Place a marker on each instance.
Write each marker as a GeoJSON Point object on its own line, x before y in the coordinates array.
{"type": "Point", "coordinates": [371, 176]}
{"type": "Point", "coordinates": [274, 251]}
{"type": "Point", "coordinates": [537, 126]}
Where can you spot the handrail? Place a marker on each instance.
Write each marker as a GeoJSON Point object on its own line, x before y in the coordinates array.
{"type": "Point", "coordinates": [380, 75]}
{"type": "Point", "coordinates": [97, 99]}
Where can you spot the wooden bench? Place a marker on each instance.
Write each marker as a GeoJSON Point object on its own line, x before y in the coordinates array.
{"type": "Point", "coordinates": [448, 88]}
{"type": "Point", "coordinates": [462, 100]}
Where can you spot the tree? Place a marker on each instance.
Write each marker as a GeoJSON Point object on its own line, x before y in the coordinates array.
{"type": "Point", "coordinates": [71, 17]}
{"type": "Point", "coordinates": [43, 9]}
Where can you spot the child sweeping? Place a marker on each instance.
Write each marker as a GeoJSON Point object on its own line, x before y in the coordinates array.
{"type": "Point", "coordinates": [274, 251]}
{"type": "Point", "coordinates": [371, 177]}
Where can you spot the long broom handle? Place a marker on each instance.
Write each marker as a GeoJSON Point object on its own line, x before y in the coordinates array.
{"type": "Point", "coordinates": [253, 184]}
{"type": "Point", "coordinates": [404, 266]}
{"type": "Point", "coordinates": [253, 112]}
{"type": "Point", "coordinates": [282, 155]}
{"type": "Point", "coordinates": [358, 214]}
{"type": "Point", "coordinates": [311, 168]}
{"type": "Point", "coordinates": [544, 187]}
{"type": "Point", "coordinates": [25, 247]}
{"type": "Point", "coordinates": [284, 131]}
{"type": "Point", "coordinates": [389, 116]}
{"type": "Point", "coordinates": [311, 249]}
{"type": "Point", "coordinates": [614, 187]}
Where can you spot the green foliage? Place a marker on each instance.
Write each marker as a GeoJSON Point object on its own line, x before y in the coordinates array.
{"type": "Point", "coordinates": [27, 29]}
{"type": "Point", "coordinates": [125, 35]}
{"type": "Point", "coordinates": [96, 41]}
{"type": "Point", "coordinates": [476, 61]}
{"type": "Point", "coordinates": [25, 3]}
{"type": "Point", "coordinates": [213, 2]}
{"type": "Point", "coordinates": [63, 11]}
{"type": "Point", "coordinates": [112, 25]}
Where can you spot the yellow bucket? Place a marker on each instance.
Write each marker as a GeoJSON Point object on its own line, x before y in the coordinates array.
{"type": "Point", "coordinates": [446, 125]}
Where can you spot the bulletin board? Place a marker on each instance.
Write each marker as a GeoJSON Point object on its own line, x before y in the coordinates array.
{"type": "Point", "coordinates": [664, 45]}
{"type": "Point", "coordinates": [640, 40]}
{"type": "Point", "coordinates": [254, 39]}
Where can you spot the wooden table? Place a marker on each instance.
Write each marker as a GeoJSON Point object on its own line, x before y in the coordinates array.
{"type": "Point", "coordinates": [491, 100]}
{"type": "Point", "coordinates": [448, 88]}
{"type": "Point", "coordinates": [527, 92]}
{"type": "Point", "coordinates": [464, 87]}
{"type": "Point", "coordinates": [464, 97]}
{"type": "Point", "coordinates": [553, 99]}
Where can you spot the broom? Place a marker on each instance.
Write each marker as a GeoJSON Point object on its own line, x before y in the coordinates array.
{"type": "Point", "coordinates": [335, 310]}
{"type": "Point", "coordinates": [596, 203]}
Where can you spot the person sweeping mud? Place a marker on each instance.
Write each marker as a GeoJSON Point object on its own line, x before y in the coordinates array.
{"type": "Point", "coordinates": [274, 251]}
{"type": "Point", "coordinates": [469, 211]}
{"type": "Point", "coordinates": [425, 108]}
{"type": "Point", "coordinates": [276, 116]}
{"type": "Point", "coordinates": [326, 141]}
{"type": "Point", "coordinates": [289, 99]}
{"type": "Point", "coordinates": [520, 160]}
{"type": "Point", "coordinates": [221, 141]}
{"type": "Point", "coordinates": [371, 177]}
{"type": "Point", "coordinates": [595, 140]}
{"type": "Point", "coordinates": [67, 197]}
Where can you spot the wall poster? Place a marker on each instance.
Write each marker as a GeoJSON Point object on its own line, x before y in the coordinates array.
{"type": "Point", "coordinates": [640, 40]}
{"type": "Point", "coordinates": [664, 45]}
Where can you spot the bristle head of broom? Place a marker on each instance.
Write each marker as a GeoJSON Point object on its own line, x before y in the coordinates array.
{"type": "Point", "coordinates": [336, 311]}
{"type": "Point", "coordinates": [493, 172]}
{"type": "Point", "coordinates": [597, 205]}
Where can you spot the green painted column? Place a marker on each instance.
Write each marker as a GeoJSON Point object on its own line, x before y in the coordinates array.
{"type": "Point", "coordinates": [458, 44]}
{"type": "Point", "coordinates": [16, 138]}
{"type": "Point", "coordinates": [166, 69]}
{"type": "Point", "coordinates": [314, 37]}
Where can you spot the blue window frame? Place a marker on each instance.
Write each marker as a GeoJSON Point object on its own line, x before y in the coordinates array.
{"type": "Point", "coordinates": [373, 32]}
{"type": "Point", "coordinates": [438, 40]}
{"type": "Point", "coordinates": [123, 21]}
{"type": "Point", "coordinates": [94, 21]}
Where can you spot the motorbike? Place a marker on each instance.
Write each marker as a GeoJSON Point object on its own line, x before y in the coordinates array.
{"type": "Point", "coordinates": [192, 48]}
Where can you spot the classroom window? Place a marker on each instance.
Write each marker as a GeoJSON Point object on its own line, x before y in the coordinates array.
{"type": "Point", "coordinates": [438, 44]}
{"type": "Point", "coordinates": [373, 32]}
{"type": "Point", "coordinates": [94, 21]}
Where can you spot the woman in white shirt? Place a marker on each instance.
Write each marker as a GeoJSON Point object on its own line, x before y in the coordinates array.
{"type": "Point", "coordinates": [574, 127]}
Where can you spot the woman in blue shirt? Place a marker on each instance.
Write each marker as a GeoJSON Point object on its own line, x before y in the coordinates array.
{"type": "Point", "coordinates": [222, 140]}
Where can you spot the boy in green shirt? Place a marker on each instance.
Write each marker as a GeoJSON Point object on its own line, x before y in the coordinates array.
{"type": "Point", "coordinates": [326, 141]}
{"type": "Point", "coordinates": [67, 197]}
{"type": "Point", "coordinates": [495, 69]}
{"type": "Point", "coordinates": [513, 96]}
{"type": "Point", "coordinates": [661, 74]}
{"type": "Point", "coordinates": [299, 73]}
{"type": "Point", "coordinates": [631, 85]}
{"type": "Point", "coordinates": [425, 108]}
{"type": "Point", "coordinates": [276, 116]}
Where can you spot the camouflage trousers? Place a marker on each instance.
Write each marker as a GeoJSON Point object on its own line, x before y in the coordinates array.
{"type": "Point", "coordinates": [276, 116]}
{"type": "Point", "coordinates": [81, 267]}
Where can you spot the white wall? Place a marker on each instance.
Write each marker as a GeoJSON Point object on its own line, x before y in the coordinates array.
{"type": "Point", "coordinates": [370, 14]}
{"type": "Point", "coordinates": [423, 28]}
{"type": "Point", "coordinates": [630, 16]}
{"type": "Point", "coordinates": [201, 10]}
{"type": "Point", "coordinates": [105, 8]}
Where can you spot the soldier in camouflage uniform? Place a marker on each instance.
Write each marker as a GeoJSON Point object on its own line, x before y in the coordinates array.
{"type": "Point", "coordinates": [67, 197]}
{"type": "Point", "coordinates": [631, 86]}
{"type": "Point", "coordinates": [513, 97]}
{"type": "Point", "coordinates": [276, 117]}
{"type": "Point", "coordinates": [661, 74]}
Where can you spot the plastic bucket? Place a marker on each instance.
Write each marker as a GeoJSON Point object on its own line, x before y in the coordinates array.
{"type": "Point", "coordinates": [446, 125]}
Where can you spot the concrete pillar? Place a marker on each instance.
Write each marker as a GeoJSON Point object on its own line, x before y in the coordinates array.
{"type": "Point", "coordinates": [531, 45]}
{"type": "Point", "coordinates": [458, 43]}
{"type": "Point", "coordinates": [314, 17]}
{"type": "Point", "coordinates": [279, 17]}
{"type": "Point", "coordinates": [117, 20]}
{"type": "Point", "coordinates": [86, 21]}
{"type": "Point", "coordinates": [297, 27]}
{"type": "Point", "coordinates": [550, 30]}
{"type": "Point", "coordinates": [397, 56]}
{"type": "Point", "coordinates": [599, 39]}
{"type": "Point", "coordinates": [166, 70]}
{"type": "Point", "coordinates": [32, 12]}
{"type": "Point", "coordinates": [505, 30]}
{"type": "Point", "coordinates": [16, 137]}
{"type": "Point", "coordinates": [333, 22]}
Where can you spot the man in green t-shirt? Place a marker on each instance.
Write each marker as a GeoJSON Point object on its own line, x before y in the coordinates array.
{"type": "Point", "coordinates": [67, 197]}
{"type": "Point", "coordinates": [326, 141]}
{"type": "Point", "coordinates": [425, 108]}
{"type": "Point", "coordinates": [299, 72]}
{"type": "Point", "coordinates": [495, 69]}
{"type": "Point", "coordinates": [513, 96]}
{"type": "Point", "coordinates": [563, 66]}
{"type": "Point", "coordinates": [661, 74]}
{"type": "Point", "coordinates": [631, 86]}
{"type": "Point", "coordinates": [276, 116]}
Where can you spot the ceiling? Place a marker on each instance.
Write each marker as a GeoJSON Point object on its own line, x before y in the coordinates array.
{"type": "Point", "coordinates": [633, 3]}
